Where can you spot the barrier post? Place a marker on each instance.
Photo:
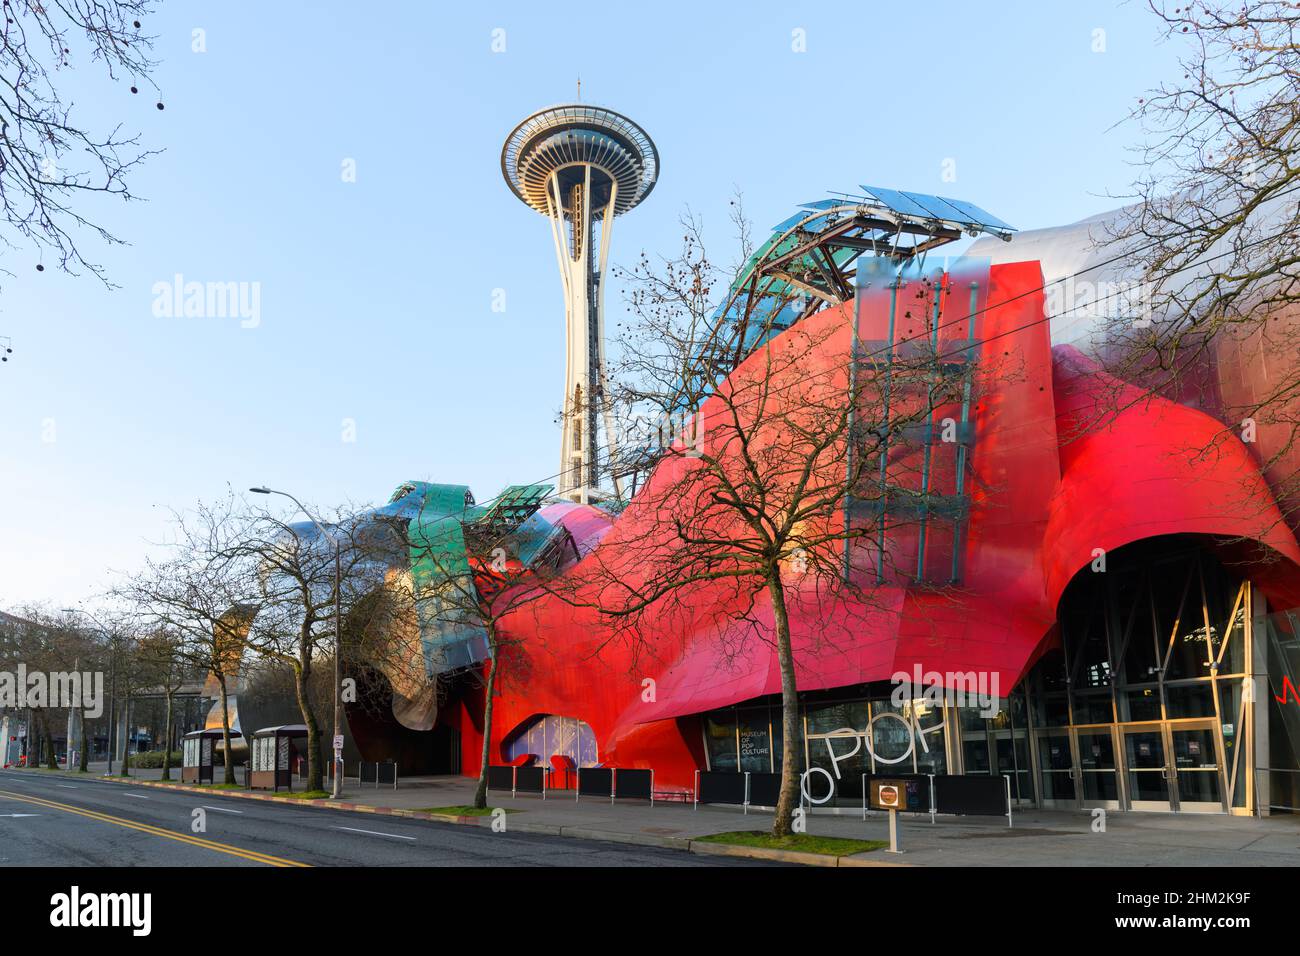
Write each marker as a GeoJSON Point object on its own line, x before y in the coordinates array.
{"type": "Point", "coordinates": [746, 793]}
{"type": "Point", "coordinates": [931, 776]}
{"type": "Point", "coordinates": [613, 783]}
{"type": "Point", "coordinates": [864, 798]}
{"type": "Point", "coordinates": [1007, 778]}
{"type": "Point", "coordinates": [394, 776]}
{"type": "Point", "coordinates": [652, 787]}
{"type": "Point", "coordinates": [546, 772]}
{"type": "Point", "coordinates": [577, 790]}
{"type": "Point", "coordinates": [695, 797]}
{"type": "Point", "coordinates": [514, 781]}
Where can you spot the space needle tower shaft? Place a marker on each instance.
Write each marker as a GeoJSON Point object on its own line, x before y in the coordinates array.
{"type": "Point", "coordinates": [581, 166]}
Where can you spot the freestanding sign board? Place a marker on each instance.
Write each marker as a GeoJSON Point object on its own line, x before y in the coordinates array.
{"type": "Point", "coordinates": [890, 795]}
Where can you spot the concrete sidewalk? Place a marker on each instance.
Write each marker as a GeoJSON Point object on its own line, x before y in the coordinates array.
{"type": "Point", "coordinates": [1038, 837]}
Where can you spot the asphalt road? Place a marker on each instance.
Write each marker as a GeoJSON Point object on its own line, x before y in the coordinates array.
{"type": "Point", "coordinates": [50, 820]}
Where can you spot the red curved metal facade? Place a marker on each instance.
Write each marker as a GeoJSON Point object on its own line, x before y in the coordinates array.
{"type": "Point", "coordinates": [1045, 495]}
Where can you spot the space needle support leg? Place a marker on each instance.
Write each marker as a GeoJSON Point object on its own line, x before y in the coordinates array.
{"type": "Point", "coordinates": [564, 259]}
{"type": "Point", "coordinates": [606, 231]}
{"type": "Point", "coordinates": [590, 322]}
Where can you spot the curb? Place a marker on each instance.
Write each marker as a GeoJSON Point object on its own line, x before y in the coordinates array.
{"type": "Point", "coordinates": [680, 844]}
{"type": "Point", "coordinates": [783, 856]}
{"type": "Point", "coordinates": [864, 861]}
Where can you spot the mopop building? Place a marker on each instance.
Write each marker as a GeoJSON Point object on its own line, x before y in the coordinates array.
{"type": "Point", "coordinates": [1114, 594]}
{"type": "Point", "coordinates": [1110, 604]}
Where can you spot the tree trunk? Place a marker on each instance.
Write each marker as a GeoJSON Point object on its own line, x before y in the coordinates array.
{"type": "Point", "coordinates": [315, 778]}
{"type": "Point", "coordinates": [480, 792]}
{"type": "Point", "coordinates": [126, 736]}
{"type": "Point", "coordinates": [225, 732]}
{"type": "Point", "coordinates": [83, 761]}
{"type": "Point", "coordinates": [51, 760]}
{"type": "Point", "coordinates": [167, 740]}
{"type": "Point", "coordinates": [790, 736]}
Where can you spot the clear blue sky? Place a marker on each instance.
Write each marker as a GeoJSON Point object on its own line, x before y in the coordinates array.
{"type": "Point", "coordinates": [376, 295]}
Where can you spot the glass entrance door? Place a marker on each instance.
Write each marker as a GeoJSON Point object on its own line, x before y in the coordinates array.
{"type": "Point", "coordinates": [1098, 780]}
{"type": "Point", "coordinates": [1056, 769]}
{"type": "Point", "coordinates": [1146, 767]}
{"type": "Point", "coordinates": [1198, 766]}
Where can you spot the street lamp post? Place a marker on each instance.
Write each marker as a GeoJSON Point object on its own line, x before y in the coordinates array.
{"type": "Point", "coordinates": [336, 790]}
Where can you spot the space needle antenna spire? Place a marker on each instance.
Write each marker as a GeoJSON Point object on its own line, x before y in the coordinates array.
{"type": "Point", "coordinates": [581, 166]}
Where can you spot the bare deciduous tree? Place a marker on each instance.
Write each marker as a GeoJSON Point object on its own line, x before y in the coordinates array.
{"type": "Point", "coordinates": [296, 598]}
{"type": "Point", "coordinates": [51, 159]}
{"type": "Point", "coordinates": [1211, 240]}
{"type": "Point", "coordinates": [773, 483]}
{"type": "Point", "coordinates": [198, 593]}
{"type": "Point", "coordinates": [163, 668]}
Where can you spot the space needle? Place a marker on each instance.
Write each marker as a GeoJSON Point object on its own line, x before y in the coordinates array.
{"type": "Point", "coordinates": [580, 166]}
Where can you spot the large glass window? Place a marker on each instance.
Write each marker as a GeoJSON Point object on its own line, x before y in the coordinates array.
{"type": "Point", "coordinates": [720, 740]}
{"type": "Point", "coordinates": [828, 718]}
{"type": "Point", "coordinates": [1231, 717]}
{"type": "Point", "coordinates": [845, 758]}
{"type": "Point", "coordinates": [1189, 700]}
{"type": "Point", "coordinates": [755, 740]}
{"type": "Point", "coordinates": [931, 755]}
{"type": "Point", "coordinates": [1150, 647]}
{"type": "Point", "coordinates": [975, 754]}
{"type": "Point", "coordinates": [1139, 703]}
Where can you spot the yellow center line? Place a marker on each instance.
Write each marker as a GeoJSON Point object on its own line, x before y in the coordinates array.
{"type": "Point", "coordinates": [155, 831]}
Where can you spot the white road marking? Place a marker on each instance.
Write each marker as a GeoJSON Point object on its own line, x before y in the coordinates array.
{"type": "Point", "coordinates": [68, 786]}
{"type": "Point", "coordinates": [220, 809]}
{"type": "Point", "coordinates": [138, 796]}
{"type": "Point", "coordinates": [395, 836]}
{"type": "Point", "coordinates": [16, 815]}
